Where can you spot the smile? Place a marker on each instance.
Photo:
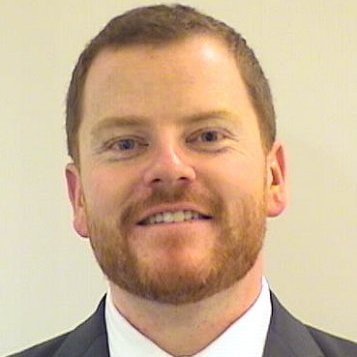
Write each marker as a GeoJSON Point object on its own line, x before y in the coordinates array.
{"type": "Point", "coordinates": [173, 217]}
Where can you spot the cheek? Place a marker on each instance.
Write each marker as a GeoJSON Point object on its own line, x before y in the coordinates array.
{"type": "Point", "coordinates": [238, 177]}
{"type": "Point", "coordinates": [105, 190]}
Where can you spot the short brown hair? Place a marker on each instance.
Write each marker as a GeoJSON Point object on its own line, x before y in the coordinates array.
{"type": "Point", "coordinates": [163, 24]}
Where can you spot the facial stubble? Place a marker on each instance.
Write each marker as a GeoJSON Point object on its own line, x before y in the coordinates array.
{"type": "Point", "coordinates": [239, 239]}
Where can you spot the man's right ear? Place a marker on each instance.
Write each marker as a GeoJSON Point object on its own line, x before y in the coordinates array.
{"type": "Point", "coordinates": [76, 197]}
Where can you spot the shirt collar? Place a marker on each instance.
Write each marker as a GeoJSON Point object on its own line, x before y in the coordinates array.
{"type": "Point", "coordinates": [244, 337]}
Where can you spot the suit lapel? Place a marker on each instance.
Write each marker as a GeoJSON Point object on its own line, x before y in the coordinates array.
{"type": "Point", "coordinates": [98, 348]}
{"type": "Point", "coordinates": [89, 339]}
{"type": "Point", "coordinates": [287, 336]}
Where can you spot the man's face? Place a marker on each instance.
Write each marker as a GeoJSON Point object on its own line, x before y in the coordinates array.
{"type": "Point", "coordinates": [173, 187]}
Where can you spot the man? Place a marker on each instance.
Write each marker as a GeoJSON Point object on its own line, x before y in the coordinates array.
{"type": "Point", "coordinates": [176, 166]}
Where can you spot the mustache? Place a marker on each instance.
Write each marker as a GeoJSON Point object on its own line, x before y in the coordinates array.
{"type": "Point", "coordinates": [208, 201]}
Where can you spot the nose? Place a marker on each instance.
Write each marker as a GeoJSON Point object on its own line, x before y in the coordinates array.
{"type": "Point", "coordinates": [169, 168]}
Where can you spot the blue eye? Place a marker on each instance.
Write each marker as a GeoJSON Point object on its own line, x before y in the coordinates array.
{"type": "Point", "coordinates": [126, 147]}
{"type": "Point", "coordinates": [209, 136]}
{"type": "Point", "coordinates": [125, 144]}
{"type": "Point", "coordinates": [209, 139]}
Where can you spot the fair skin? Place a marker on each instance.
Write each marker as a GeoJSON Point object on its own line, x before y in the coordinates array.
{"type": "Point", "coordinates": [194, 127]}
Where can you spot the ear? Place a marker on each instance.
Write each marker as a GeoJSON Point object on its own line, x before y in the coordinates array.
{"type": "Point", "coordinates": [276, 181]}
{"type": "Point", "coordinates": [76, 197]}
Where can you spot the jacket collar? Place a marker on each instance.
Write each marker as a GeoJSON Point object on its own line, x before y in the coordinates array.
{"type": "Point", "coordinates": [89, 339]}
{"type": "Point", "coordinates": [287, 336]}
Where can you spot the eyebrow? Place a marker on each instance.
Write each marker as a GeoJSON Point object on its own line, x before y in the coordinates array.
{"type": "Point", "coordinates": [210, 115]}
{"type": "Point", "coordinates": [119, 122]}
{"type": "Point", "coordinates": [133, 121]}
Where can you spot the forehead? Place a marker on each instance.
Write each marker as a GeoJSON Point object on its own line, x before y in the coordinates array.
{"type": "Point", "coordinates": [189, 47]}
{"type": "Point", "coordinates": [161, 60]}
{"type": "Point", "coordinates": [179, 78]}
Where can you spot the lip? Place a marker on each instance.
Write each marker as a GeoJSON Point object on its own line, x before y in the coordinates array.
{"type": "Point", "coordinates": [171, 208]}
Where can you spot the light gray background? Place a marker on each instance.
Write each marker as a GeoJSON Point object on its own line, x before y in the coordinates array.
{"type": "Point", "coordinates": [48, 278]}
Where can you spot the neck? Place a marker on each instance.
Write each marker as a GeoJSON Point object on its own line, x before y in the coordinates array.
{"type": "Point", "coordinates": [186, 329]}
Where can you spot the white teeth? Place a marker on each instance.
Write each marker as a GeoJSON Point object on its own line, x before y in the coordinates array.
{"type": "Point", "coordinates": [179, 216]}
{"type": "Point", "coordinates": [169, 217]}
{"type": "Point", "coordinates": [188, 215]}
{"type": "Point", "coordinates": [158, 218]}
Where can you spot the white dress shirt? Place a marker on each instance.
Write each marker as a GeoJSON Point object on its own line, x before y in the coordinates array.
{"type": "Point", "coordinates": [244, 338]}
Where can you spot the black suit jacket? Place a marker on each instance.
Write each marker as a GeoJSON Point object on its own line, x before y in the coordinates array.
{"type": "Point", "coordinates": [287, 337]}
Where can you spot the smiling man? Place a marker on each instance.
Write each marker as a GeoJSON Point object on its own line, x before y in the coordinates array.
{"type": "Point", "coordinates": [175, 169]}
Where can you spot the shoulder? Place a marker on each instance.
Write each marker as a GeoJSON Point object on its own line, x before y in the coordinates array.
{"type": "Point", "coordinates": [332, 345]}
{"type": "Point", "coordinates": [87, 339]}
{"type": "Point", "coordinates": [289, 336]}
{"type": "Point", "coordinates": [47, 348]}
